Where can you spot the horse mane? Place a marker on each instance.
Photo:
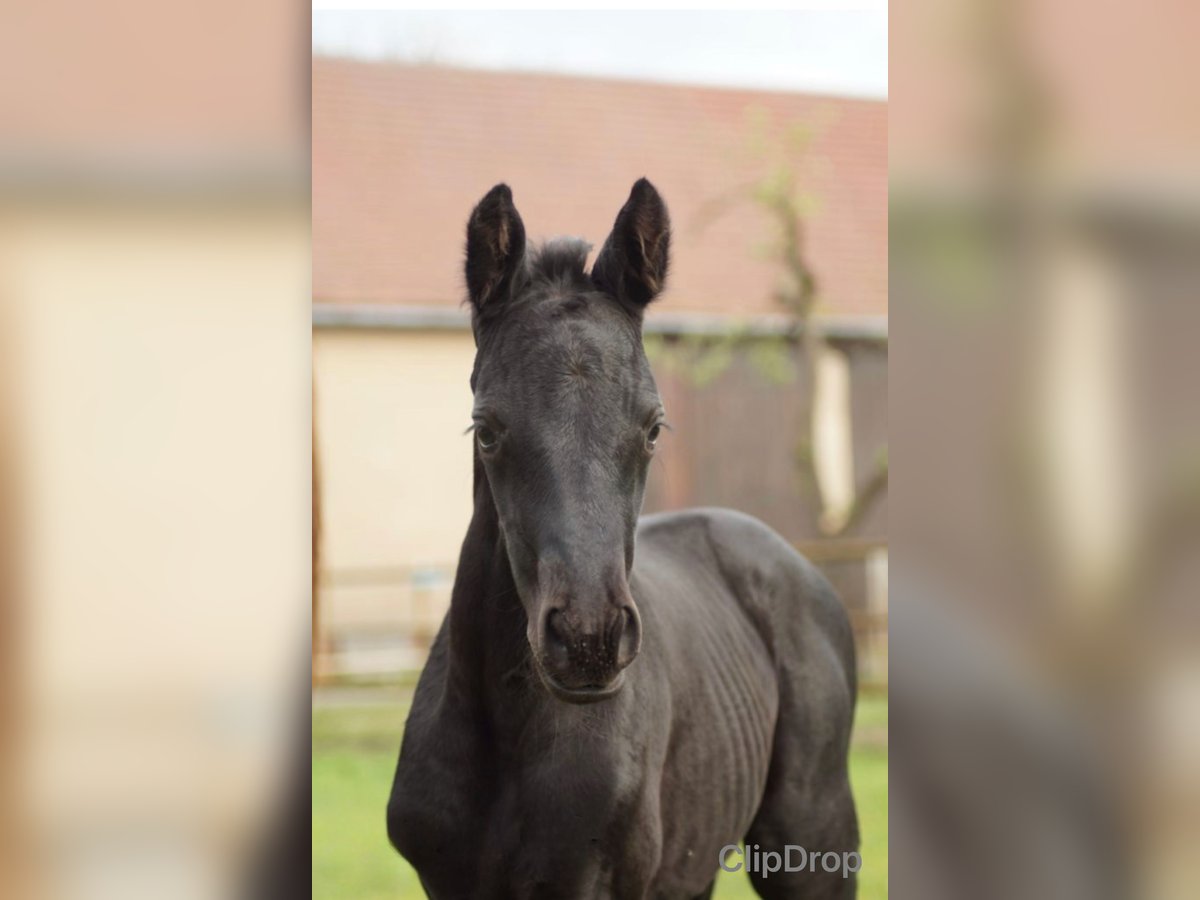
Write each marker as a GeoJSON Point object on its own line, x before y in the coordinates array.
{"type": "Point", "coordinates": [559, 267]}
{"type": "Point", "coordinates": [560, 260]}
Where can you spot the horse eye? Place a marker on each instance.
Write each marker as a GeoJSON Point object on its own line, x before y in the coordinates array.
{"type": "Point", "coordinates": [486, 437]}
{"type": "Point", "coordinates": [652, 437]}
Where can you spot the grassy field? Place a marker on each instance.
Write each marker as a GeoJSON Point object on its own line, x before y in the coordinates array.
{"type": "Point", "coordinates": [354, 754]}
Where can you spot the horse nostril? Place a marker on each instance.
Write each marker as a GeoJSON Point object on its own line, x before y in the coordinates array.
{"type": "Point", "coordinates": [628, 634]}
{"type": "Point", "coordinates": [620, 624]}
{"type": "Point", "coordinates": [555, 639]}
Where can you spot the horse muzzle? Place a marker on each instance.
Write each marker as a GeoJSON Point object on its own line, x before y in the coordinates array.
{"type": "Point", "coordinates": [582, 657]}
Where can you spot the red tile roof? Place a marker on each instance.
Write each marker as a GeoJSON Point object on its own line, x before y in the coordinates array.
{"type": "Point", "coordinates": [400, 154]}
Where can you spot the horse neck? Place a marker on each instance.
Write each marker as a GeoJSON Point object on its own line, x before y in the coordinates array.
{"type": "Point", "coordinates": [487, 622]}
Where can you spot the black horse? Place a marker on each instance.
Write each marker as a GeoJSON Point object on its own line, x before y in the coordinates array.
{"type": "Point", "coordinates": [591, 724]}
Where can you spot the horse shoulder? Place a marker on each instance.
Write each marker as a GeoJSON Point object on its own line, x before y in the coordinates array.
{"type": "Point", "coordinates": [434, 797]}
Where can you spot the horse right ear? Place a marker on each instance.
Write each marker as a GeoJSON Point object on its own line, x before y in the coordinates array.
{"type": "Point", "coordinates": [495, 249]}
{"type": "Point", "coordinates": [632, 264]}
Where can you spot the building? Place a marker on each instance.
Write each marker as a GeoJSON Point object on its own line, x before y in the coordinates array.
{"type": "Point", "coordinates": [401, 153]}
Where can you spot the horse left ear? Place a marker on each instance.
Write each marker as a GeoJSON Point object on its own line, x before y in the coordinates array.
{"type": "Point", "coordinates": [495, 249]}
{"type": "Point", "coordinates": [632, 264]}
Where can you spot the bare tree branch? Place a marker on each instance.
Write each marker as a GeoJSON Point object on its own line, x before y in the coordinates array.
{"type": "Point", "coordinates": [775, 193]}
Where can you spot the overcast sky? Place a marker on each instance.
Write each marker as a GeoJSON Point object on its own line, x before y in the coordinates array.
{"type": "Point", "coordinates": [823, 51]}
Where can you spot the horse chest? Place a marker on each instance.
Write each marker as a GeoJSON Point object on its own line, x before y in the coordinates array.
{"type": "Point", "coordinates": [570, 813]}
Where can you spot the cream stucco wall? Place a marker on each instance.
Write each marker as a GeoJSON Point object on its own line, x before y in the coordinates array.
{"type": "Point", "coordinates": [391, 408]}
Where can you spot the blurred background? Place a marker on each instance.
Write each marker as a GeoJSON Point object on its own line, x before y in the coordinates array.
{"type": "Point", "coordinates": [154, 429]}
{"type": "Point", "coordinates": [1045, 281]}
{"type": "Point", "coordinates": [155, 388]}
{"type": "Point", "coordinates": [767, 136]}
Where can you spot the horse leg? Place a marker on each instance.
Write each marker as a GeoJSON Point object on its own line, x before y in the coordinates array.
{"type": "Point", "coordinates": [820, 822]}
{"type": "Point", "coordinates": [807, 803]}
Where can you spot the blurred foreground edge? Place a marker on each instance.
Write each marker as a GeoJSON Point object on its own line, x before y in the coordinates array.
{"type": "Point", "coordinates": [1045, 271]}
{"type": "Point", "coordinates": [154, 464]}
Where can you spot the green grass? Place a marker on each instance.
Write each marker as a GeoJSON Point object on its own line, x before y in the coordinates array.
{"type": "Point", "coordinates": [354, 755]}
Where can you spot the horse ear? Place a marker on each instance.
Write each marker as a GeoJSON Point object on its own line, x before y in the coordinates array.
{"type": "Point", "coordinates": [495, 248]}
{"type": "Point", "coordinates": [632, 264]}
